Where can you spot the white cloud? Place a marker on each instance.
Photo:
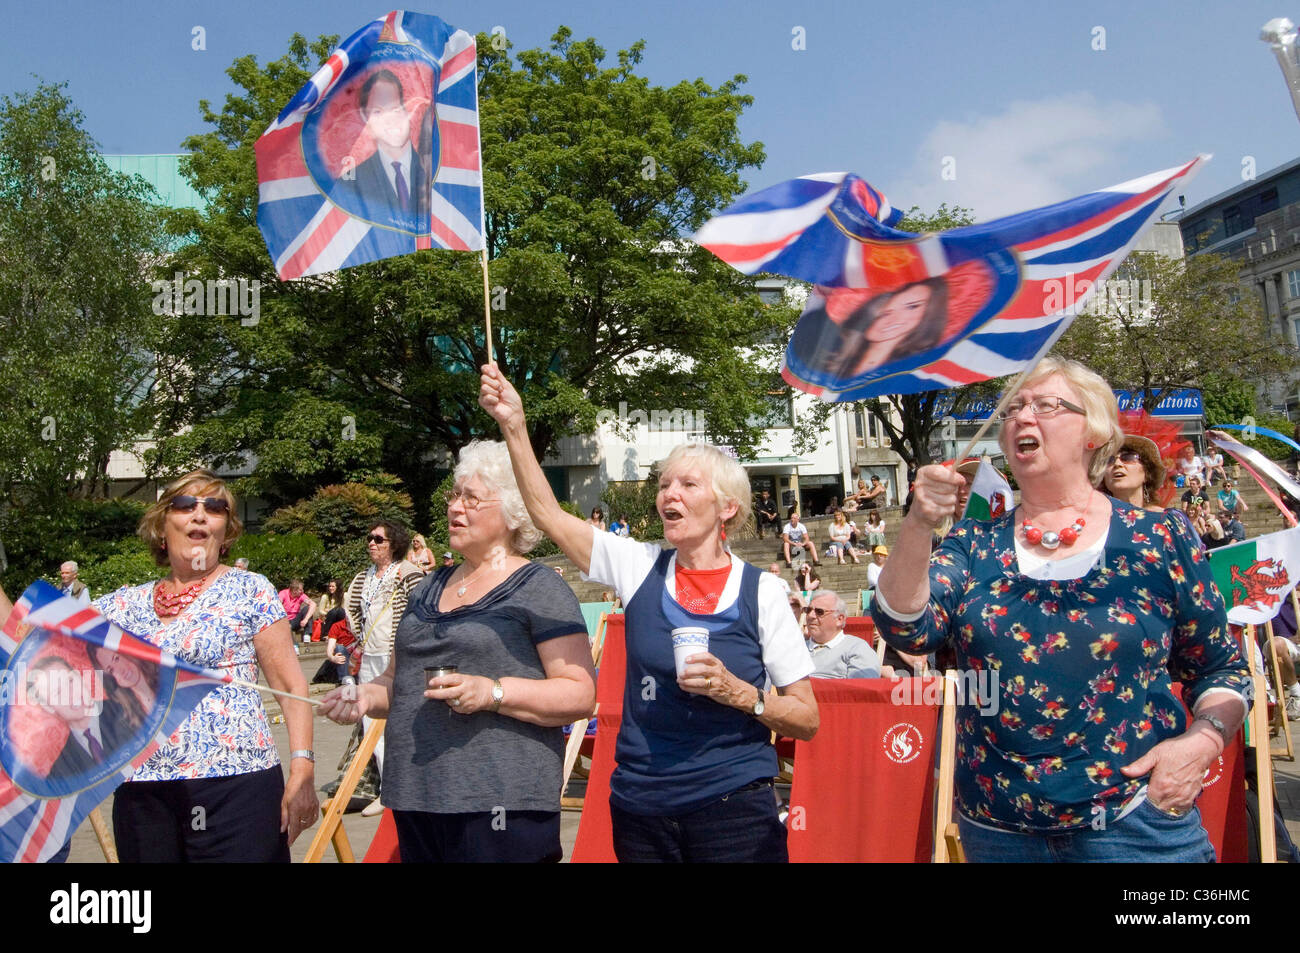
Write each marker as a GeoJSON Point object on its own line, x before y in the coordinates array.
{"type": "Point", "coordinates": [1033, 153]}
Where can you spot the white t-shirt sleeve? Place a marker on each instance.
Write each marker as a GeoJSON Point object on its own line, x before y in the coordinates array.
{"type": "Point", "coordinates": [622, 563]}
{"type": "Point", "coordinates": [785, 656]}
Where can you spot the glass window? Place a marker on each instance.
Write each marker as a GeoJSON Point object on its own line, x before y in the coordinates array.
{"type": "Point", "coordinates": [1293, 283]}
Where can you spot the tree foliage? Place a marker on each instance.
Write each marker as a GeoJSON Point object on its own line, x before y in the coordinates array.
{"type": "Point", "coordinates": [1189, 325]}
{"type": "Point", "coordinates": [75, 319]}
{"type": "Point", "coordinates": [591, 175]}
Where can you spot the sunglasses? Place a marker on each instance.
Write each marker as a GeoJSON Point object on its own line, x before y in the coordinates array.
{"type": "Point", "coordinates": [211, 504]}
{"type": "Point", "coordinates": [1127, 456]}
{"type": "Point", "coordinates": [819, 612]}
{"type": "Point", "coordinates": [376, 539]}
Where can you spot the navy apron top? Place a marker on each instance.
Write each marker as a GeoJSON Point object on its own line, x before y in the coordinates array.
{"type": "Point", "coordinates": [677, 752]}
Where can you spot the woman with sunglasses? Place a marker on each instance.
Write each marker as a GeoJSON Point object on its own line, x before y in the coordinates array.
{"type": "Point", "coordinates": [1087, 608]}
{"type": "Point", "coordinates": [694, 752]}
{"type": "Point", "coordinates": [375, 603]}
{"type": "Point", "coordinates": [223, 759]}
{"type": "Point", "coordinates": [475, 754]}
{"type": "Point", "coordinates": [1135, 473]}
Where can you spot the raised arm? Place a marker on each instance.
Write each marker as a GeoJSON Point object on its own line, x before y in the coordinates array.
{"type": "Point", "coordinates": [573, 535]}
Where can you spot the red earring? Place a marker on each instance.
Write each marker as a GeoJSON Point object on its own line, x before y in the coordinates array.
{"type": "Point", "coordinates": [1091, 445]}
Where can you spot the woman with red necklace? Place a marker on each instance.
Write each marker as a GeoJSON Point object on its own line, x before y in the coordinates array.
{"type": "Point", "coordinates": [223, 759]}
{"type": "Point", "coordinates": [1085, 608]}
{"type": "Point", "coordinates": [695, 762]}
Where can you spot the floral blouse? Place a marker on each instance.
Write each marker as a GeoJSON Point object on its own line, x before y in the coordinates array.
{"type": "Point", "coordinates": [228, 732]}
{"type": "Point", "coordinates": [1081, 669]}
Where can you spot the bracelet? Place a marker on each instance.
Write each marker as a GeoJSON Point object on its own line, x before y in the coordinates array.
{"type": "Point", "coordinates": [303, 753]}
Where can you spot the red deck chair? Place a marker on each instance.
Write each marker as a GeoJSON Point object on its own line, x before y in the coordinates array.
{"type": "Point", "coordinates": [864, 786]}
{"type": "Point", "coordinates": [595, 842]}
{"type": "Point", "coordinates": [861, 626]}
{"type": "Point", "coordinates": [1223, 800]}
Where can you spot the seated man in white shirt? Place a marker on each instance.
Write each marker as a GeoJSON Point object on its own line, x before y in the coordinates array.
{"type": "Point", "coordinates": [796, 538]}
{"type": "Point", "coordinates": [835, 653]}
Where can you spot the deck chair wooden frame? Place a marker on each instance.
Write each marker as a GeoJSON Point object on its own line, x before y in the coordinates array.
{"type": "Point", "coordinates": [331, 825]}
{"type": "Point", "coordinates": [578, 731]}
{"type": "Point", "coordinates": [1280, 719]}
{"type": "Point", "coordinates": [104, 834]}
{"type": "Point", "coordinates": [1263, 762]}
{"type": "Point", "coordinates": [947, 843]}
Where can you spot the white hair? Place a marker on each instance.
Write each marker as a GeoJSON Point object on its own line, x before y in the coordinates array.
{"type": "Point", "coordinates": [72, 563]}
{"type": "Point", "coordinates": [841, 607]}
{"type": "Point", "coordinates": [489, 460]}
{"type": "Point", "coordinates": [729, 479]}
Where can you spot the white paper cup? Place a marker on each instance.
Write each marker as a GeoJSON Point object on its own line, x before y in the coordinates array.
{"type": "Point", "coordinates": [687, 641]}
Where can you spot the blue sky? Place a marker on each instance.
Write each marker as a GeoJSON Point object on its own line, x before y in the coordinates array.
{"type": "Point", "coordinates": [1026, 108]}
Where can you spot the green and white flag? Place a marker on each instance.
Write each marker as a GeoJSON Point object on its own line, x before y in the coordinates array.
{"type": "Point", "coordinates": [990, 494]}
{"type": "Point", "coordinates": [1255, 576]}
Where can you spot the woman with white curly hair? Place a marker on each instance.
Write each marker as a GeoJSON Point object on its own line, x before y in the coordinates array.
{"type": "Point", "coordinates": [474, 756]}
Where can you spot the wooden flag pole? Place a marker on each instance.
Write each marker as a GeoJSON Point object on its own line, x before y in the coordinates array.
{"type": "Point", "coordinates": [487, 304]}
{"type": "Point", "coordinates": [274, 691]}
{"type": "Point", "coordinates": [1284, 725]}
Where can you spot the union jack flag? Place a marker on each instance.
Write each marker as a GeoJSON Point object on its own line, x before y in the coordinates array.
{"type": "Point", "coordinates": [989, 298]}
{"type": "Point", "coordinates": [329, 193]}
{"type": "Point", "coordinates": [48, 781]}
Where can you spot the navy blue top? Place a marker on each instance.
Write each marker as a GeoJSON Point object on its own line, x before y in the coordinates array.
{"type": "Point", "coordinates": [676, 751]}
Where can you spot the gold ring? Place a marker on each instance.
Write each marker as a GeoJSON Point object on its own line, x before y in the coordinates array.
{"type": "Point", "coordinates": [708, 682]}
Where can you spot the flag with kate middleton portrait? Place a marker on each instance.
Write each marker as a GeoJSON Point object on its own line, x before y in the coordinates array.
{"type": "Point", "coordinates": [82, 705]}
{"type": "Point", "coordinates": [895, 312]}
{"type": "Point", "coordinates": [378, 154]}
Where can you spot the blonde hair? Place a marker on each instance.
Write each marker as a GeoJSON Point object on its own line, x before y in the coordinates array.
{"type": "Point", "coordinates": [153, 525]}
{"type": "Point", "coordinates": [489, 460]}
{"type": "Point", "coordinates": [1100, 410]}
{"type": "Point", "coordinates": [728, 478]}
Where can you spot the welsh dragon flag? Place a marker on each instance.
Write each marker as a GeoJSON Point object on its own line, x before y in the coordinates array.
{"type": "Point", "coordinates": [990, 494]}
{"type": "Point", "coordinates": [1255, 576]}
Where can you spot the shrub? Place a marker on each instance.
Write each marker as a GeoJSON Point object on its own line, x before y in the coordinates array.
{"type": "Point", "coordinates": [283, 557]}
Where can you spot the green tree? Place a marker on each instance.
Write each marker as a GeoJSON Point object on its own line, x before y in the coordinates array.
{"type": "Point", "coordinates": [1188, 325]}
{"type": "Point", "coordinates": [908, 420]}
{"type": "Point", "coordinates": [75, 319]}
{"type": "Point", "coordinates": [592, 175]}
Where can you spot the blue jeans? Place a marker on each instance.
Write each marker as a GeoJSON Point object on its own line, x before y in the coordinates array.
{"type": "Point", "coordinates": [740, 827]}
{"type": "Point", "coordinates": [1145, 835]}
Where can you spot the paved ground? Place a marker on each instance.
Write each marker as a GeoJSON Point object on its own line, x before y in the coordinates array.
{"type": "Point", "coordinates": [331, 741]}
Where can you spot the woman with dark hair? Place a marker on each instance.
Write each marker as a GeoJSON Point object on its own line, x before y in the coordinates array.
{"type": "Point", "coordinates": [375, 603]}
{"type": "Point", "coordinates": [893, 326]}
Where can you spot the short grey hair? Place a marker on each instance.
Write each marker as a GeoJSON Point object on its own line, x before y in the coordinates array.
{"type": "Point", "coordinates": [841, 607]}
{"type": "Point", "coordinates": [489, 460]}
{"type": "Point", "coordinates": [72, 563]}
{"type": "Point", "coordinates": [241, 562]}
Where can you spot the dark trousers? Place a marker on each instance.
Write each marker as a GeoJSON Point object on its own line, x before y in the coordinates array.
{"type": "Point", "coordinates": [498, 837]}
{"type": "Point", "coordinates": [207, 820]}
{"type": "Point", "coordinates": [740, 827]}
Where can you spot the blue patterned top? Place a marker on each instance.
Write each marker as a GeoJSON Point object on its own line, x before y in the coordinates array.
{"type": "Point", "coordinates": [228, 733]}
{"type": "Point", "coordinates": [1083, 665]}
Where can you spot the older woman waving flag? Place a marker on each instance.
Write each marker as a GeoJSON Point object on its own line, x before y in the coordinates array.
{"type": "Point", "coordinates": [695, 764]}
{"type": "Point", "coordinates": [1085, 607]}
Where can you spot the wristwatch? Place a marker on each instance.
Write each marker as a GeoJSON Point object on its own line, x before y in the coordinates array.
{"type": "Point", "coordinates": [498, 694]}
{"type": "Point", "coordinates": [758, 708]}
{"type": "Point", "coordinates": [1216, 724]}
{"type": "Point", "coordinates": [303, 753]}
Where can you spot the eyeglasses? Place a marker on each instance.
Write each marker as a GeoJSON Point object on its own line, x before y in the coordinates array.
{"type": "Point", "coordinates": [211, 504]}
{"type": "Point", "coordinates": [819, 612]}
{"type": "Point", "coordinates": [467, 500]}
{"type": "Point", "coordinates": [1126, 456]}
{"type": "Point", "coordinates": [1041, 407]}
{"type": "Point", "coordinates": [376, 539]}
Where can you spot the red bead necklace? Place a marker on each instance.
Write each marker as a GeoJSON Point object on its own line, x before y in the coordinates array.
{"type": "Point", "coordinates": [169, 604]}
{"type": "Point", "coordinates": [1050, 540]}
